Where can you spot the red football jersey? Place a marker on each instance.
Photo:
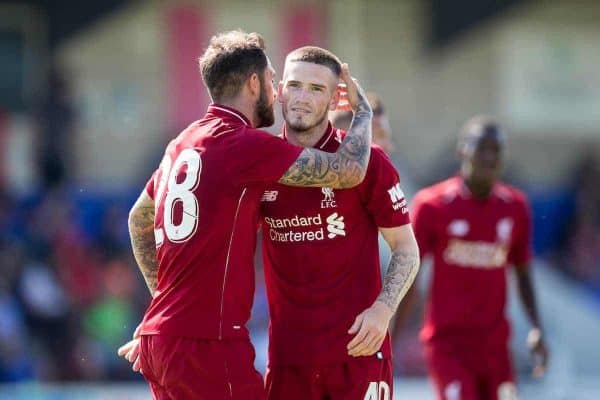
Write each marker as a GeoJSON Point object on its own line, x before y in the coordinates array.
{"type": "Point", "coordinates": [472, 241]}
{"type": "Point", "coordinates": [207, 191]}
{"type": "Point", "coordinates": [321, 259]}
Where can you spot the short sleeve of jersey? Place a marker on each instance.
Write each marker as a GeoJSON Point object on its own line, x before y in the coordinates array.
{"type": "Point", "coordinates": [384, 196]}
{"type": "Point", "coordinates": [263, 158]}
{"type": "Point", "coordinates": [150, 186]}
{"type": "Point", "coordinates": [423, 223]}
{"type": "Point", "coordinates": [520, 251]}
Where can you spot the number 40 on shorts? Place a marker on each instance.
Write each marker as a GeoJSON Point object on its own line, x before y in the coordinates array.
{"type": "Point", "coordinates": [378, 391]}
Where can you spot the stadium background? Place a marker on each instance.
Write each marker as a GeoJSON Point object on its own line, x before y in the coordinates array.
{"type": "Point", "coordinates": [90, 92]}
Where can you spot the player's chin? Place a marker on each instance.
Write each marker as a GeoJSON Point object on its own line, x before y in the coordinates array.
{"type": "Point", "coordinates": [486, 174]}
{"type": "Point", "coordinates": [298, 124]}
{"type": "Point", "coordinates": [266, 120]}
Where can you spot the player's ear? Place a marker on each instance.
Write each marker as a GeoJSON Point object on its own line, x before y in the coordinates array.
{"type": "Point", "coordinates": [253, 83]}
{"type": "Point", "coordinates": [463, 148]}
{"type": "Point", "coordinates": [460, 151]}
{"type": "Point", "coordinates": [335, 99]}
{"type": "Point", "coordinates": [280, 91]}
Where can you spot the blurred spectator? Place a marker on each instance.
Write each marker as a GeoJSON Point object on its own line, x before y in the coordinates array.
{"type": "Point", "coordinates": [46, 310]}
{"type": "Point", "coordinates": [15, 359]}
{"type": "Point", "coordinates": [107, 322]}
{"type": "Point", "coordinates": [56, 126]}
{"type": "Point", "coordinates": [583, 253]}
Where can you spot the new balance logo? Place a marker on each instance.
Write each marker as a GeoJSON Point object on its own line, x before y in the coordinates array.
{"type": "Point", "coordinates": [269, 195]}
{"type": "Point", "coordinates": [378, 391]}
{"type": "Point", "coordinates": [335, 226]}
{"type": "Point", "coordinates": [396, 194]}
{"type": "Point", "coordinates": [397, 197]}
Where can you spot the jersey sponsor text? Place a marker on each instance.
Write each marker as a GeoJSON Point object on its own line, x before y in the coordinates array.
{"type": "Point", "coordinates": [477, 254]}
{"type": "Point", "coordinates": [335, 227]}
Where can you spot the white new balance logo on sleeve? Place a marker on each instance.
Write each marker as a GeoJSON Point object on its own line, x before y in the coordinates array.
{"type": "Point", "coordinates": [396, 194]}
{"type": "Point", "coordinates": [397, 197]}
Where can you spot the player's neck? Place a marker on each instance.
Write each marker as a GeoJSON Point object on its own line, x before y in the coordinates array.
{"type": "Point", "coordinates": [479, 190]}
{"type": "Point", "coordinates": [243, 106]}
{"type": "Point", "coordinates": [308, 138]}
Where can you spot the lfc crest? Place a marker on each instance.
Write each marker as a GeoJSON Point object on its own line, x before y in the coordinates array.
{"type": "Point", "coordinates": [328, 195]}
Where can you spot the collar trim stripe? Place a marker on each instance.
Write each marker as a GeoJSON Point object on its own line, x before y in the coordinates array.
{"type": "Point", "coordinates": [232, 113]}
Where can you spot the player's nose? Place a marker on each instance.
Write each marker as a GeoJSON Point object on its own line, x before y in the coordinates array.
{"type": "Point", "coordinates": [302, 95]}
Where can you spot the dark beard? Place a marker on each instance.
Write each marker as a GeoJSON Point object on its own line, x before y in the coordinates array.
{"type": "Point", "coordinates": [303, 128]}
{"type": "Point", "coordinates": [265, 116]}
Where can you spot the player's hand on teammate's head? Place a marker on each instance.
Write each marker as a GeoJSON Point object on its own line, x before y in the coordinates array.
{"type": "Point", "coordinates": [349, 90]}
{"type": "Point", "coordinates": [539, 352]}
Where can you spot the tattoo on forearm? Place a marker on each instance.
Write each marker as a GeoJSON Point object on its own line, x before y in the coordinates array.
{"type": "Point", "coordinates": [400, 275]}
{"type": "Point", "coordinates": [343, 169]}
{"type": "Point", "coordinates": [141, 232]}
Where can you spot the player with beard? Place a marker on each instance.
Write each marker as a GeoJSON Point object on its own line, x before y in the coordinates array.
{"type": "Point", "coordinates": [193, 228]}
{"type": "Point", "coordinates": [474, 227]}
{"type": "Point", "coordinates": [329, 313]}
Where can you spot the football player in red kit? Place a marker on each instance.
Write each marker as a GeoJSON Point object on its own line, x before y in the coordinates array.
{"type": "Point", "coordinates": [474, 227]}
{"type": "Point", "coordinates": [193, 228]}
{"type": "Point", "coordinates": [329, 314]}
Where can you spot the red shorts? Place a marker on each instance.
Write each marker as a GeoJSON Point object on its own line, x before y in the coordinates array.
{"type": "Point", "coordinates": [184, 368]}
{"type": "Point", "coordinates": [366, 378]}
{"type": "Point", "coordinates": [471, 374]}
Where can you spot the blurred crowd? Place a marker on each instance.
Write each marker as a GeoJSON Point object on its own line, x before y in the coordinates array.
{"type": "Point", "coordinates": [69, 288]}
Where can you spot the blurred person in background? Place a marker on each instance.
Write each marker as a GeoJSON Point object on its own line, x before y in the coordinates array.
{"type": "Point", "coordinates": [56, 119]}
{"type": "Point", "coordinates": [474, 227]}
{"type": "Point", "coordinates": [382, 132]}
{"type": "Point", "coordinates": [329, 312]}
{"type": "Point", "coordinates": [583, 253]}
{"type": "Point", "coordinates": [16, 361]}
{"type": "Point", "coordinates": [197, 254]}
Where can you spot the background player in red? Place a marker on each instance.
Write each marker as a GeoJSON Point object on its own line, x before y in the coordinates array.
{"type": "Point", "coordinates": [474, 227]}
{"type": "Point", "coordinates": [328, 336]}
{"type": "Point", "coordinates": [193, 227]}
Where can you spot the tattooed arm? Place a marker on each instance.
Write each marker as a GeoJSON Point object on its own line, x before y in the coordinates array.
{"type": "Point", "coordinates": [371, 325]}
{"type": "Point", "coordinates": [141, 233]}
{"type": "Point", "coordinates": [403, 267]}
{"type": "Point", "coordinates": [346, 167]}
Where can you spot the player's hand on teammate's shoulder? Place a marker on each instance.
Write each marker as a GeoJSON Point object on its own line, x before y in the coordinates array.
{"type": "Point", "coordinates": [539, 352]}
{"type": "Point", "coordinates": [369, 330]}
